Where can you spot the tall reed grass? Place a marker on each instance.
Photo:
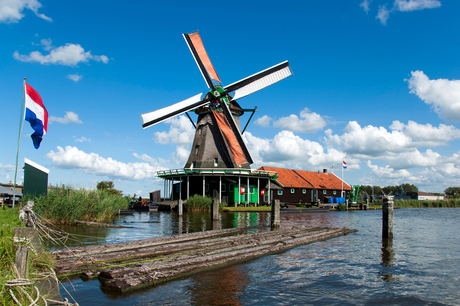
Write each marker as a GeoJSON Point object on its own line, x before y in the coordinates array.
{"type": "Point", "coordinates": [67, 205]}
{"type": "Point", "coordinates": [423, 203]}
{"type": "Point", "coordinates": [197, 203]}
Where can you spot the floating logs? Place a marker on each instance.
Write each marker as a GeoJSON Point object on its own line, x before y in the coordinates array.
{"type": "Point", "coordinates": [137, 264]}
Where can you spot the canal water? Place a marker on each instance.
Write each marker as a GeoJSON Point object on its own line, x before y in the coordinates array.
{"type": "Point", "coordinates": [419, 266]}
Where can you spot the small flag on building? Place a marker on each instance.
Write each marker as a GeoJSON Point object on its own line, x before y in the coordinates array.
{"type": "Point", "coordinates": [344, 164]}
{"type": "Point", "coordinates": [36, 114]}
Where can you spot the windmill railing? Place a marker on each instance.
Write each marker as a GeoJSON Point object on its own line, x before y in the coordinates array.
{"type": "Point", "coordinates": [216, 171]}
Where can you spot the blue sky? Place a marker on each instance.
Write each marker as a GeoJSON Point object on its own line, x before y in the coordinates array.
{"type": "Point", "coordinates": [376, 83]}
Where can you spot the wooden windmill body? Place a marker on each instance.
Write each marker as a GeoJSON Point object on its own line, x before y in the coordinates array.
{"type": "Point", "coordinates": [218, 142]}
{"type": "Point", "coordinates": [218, 146]}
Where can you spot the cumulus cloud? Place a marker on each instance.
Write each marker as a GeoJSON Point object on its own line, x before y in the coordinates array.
{"type": "Point", "coordinates": [289, 150]}
{"type": "Point", "coordinates": [67, 55]}
{"type": "Point", "coordinates": [70, 117]}
{"type": "Point", "coordinates": [442, 95]}
{"type": "Point", "coordinates": [263, 121]}
{"type": "Point", "coordinates": [11, 11]}
{"type": "Point", "coordinates": [181, 132]}
{"type": "Point", "coordinates": [73, 158]}
{"type": "Point", "coordinates": [426, 134]}
{"type": "Point", "coordinates": [401, 6]}
{"type": "Point", "coordinates": [308, 122]}
{"type": "Point", "coordinates": [74, 77]}
{"type": "Point", "coordinates": [369, 142]}
{"type": "Point", "coordinates": [387, 172]}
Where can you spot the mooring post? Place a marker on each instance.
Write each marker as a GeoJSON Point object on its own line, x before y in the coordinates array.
{"type": "Point", "coordinates": [179, 207]}
{"type": "Point", "coordinates": [387, 218]}
{"type": "Point", "coordinates": [275, 220]}
{"type": "Point", "coordinates": [215, 210]}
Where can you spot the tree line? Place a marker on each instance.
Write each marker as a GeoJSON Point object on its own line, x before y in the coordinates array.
{"type": "Point", "coordinates": [451, 192]}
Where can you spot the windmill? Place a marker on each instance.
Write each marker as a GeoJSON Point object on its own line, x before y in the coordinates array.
{"type": "Point", "coordinates": [218, 141]}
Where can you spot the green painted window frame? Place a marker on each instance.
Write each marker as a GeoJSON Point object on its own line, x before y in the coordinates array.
{"type": "Point", "coordinates": [304, 191]}
{"type": "Point", "coordinates": [334, 192]}
{"type": "Point", "coordinates": [280, 192]}
{"type": "Point", "coordinates": [292, 190]}
{"type": "Point", "coordinates": [324, 191]}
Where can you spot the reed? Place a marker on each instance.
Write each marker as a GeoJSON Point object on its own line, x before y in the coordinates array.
{"type": "Point", "coordinates": [39, 263]}
{"type": "Point", "coordinates": [67, 205]}
{"type": "Point", "coordinates": [198, 203]}
{"type": "Point", "coordinates": [426, 203]}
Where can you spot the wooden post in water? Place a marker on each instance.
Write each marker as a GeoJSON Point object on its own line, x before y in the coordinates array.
{"type": "Point", "coordinates": [179, 207]}
{"type": "Point", "coordinates": [387, 218]}
{"type": "Point", "coordinates": [275, 218]}
{"type": "Point", "coordinates": [215, 210]}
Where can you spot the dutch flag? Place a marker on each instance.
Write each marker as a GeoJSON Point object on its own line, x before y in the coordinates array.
{"type": "Point", "coordinates": [344, 164]}
{"type": "Point", "coordinates": [36, 114]}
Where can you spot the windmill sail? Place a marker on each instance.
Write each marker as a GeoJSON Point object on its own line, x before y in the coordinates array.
{"type": "Point", "coordinates": [196, 46]}
{"type": "Point", "coordinates": [167, 112]}
{"type": "Point", "coordinates": [260, 80]}
{"type": "Point", "coordinates": [233, 136]}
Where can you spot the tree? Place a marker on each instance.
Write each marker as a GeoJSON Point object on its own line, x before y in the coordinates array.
{"type": "Point", "coordinates": [452, 192]}
{"type": "Point", "coordinates": [108, 186]}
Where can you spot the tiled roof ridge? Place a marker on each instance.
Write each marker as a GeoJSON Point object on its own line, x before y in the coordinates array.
{"type": "Point", "coordinates": [300, 175]}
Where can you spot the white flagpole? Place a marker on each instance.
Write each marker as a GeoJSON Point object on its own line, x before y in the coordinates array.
{"type": "Point", "coordinates": [19, 140]}
{"type": "Point", "coordinates": [342, 180]}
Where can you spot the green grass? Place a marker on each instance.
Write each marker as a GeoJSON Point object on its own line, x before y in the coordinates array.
{"type": "Point", "coordinates": [66, 205]}
{"type": "Point", "coordinates": [38, 263]}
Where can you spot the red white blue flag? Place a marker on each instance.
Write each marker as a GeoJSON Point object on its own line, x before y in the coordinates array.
{"type": "Point", "coordinates": [344, 164]}
{"type": "Point", "coordinates": [36, 114]}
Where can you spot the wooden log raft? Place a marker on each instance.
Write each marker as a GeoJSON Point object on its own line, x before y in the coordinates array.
{"type": "Point", "coordinates": [153, 261]}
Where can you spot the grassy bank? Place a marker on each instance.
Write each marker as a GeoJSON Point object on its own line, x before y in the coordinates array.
{"type": "Point", "coordinates": [38, 263]}
{"type": "Point", "coordinates": [422, 203]}
{"type": "Point", "coordinates": [66, 205]}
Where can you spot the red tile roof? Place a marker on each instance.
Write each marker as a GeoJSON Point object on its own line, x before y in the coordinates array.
{"type": "Point", "coordinates": [291, 178]}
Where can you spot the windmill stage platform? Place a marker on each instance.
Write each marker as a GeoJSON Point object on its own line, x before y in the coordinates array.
{"type": "Point", "coordinates": [231, 186]}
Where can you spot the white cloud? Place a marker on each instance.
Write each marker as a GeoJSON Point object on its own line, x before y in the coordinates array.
{"type": "Point", "coordinates": [263, 121]}
{"type": "Point", "coordinates": [369, 142]}
{"type": "Point", "coordinates": [415, 5]}
{"type": "Point", "coordinates": [383, 14]}
{"type": "Point", "coordinates": [82, 139]}
{"type": "Point", "coordinates": [413, 159]}
{"type": "Point", "coordinates": [442, 95]}
{"type": "Point", "coordinates": [73, 158]}
{"type": "Point", "coordinates": [365, 5]}
{"type": "Point", "coordinates": [387, 172]}
{"type": "Point", "coordinates": [7, 167]}
{"type": "Point", "coordinates": [402, 6]}
{"type": "Point", "coordinates": [308, 122]}
{"type": "Point", "coordinates": [11, 10]}
{"type": "Point", "coordinates": [426, 134]}
{"type": "Point", "coordinates": [70, 117]}
{"type": "Point", "coordinates": [74, 77]}
{"type": "Point", "coordinates": [47, 44]}
{"type": "Point", "coordinates": [289, 150]}
{"type": "Point", "coordinates": [67, 55]}
{"type": "Point", "coordinates": [181, 132]}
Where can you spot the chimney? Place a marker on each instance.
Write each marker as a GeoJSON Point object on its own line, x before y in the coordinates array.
{"type": "Point", "coordinates": [324, 170]}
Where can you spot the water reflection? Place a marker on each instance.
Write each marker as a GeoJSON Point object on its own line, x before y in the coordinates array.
{"type": "Point", "coordinates": [219, 287]}
{"type": "Point", "coordinates": [388, 261]}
